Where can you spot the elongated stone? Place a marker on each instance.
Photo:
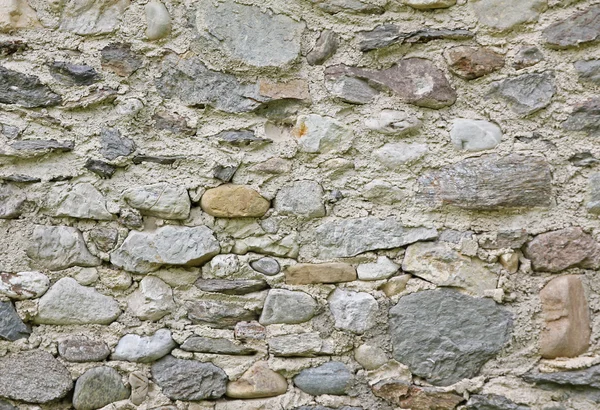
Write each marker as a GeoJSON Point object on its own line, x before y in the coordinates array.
{"type": "Point", "coordinates": [25, 90]}
{"type": "Point", "coordinates": [506, 14]}
{"type": "Point", "coordinates": [347, 6]}
{"type": "Point", "coordinates": [74, 74]}
{"type": "Point", "coordinates": [329, 378]}
{"type": "Point", "coordinates": [158, 20]}
{"type": "Point", "coordinates": [388, 34]}
{"type": "Point", "coordinates": [575, 30]}
{"type": "Point", "coordinates": [429, 4]}
{"type": "Point", "coordinates": [219, 314]}
{"type": "Point", "coordinates": [586, 378]}
{"type": "Point", "coordinates": [80, 349]}
{"type": "Point", "coordinates": [383, 268]}
{"type": "Point", "coordinates": [401, 393]}
{"type": "Point", "coordinates": [258, 381]}
{"type": "Point", "coordinates": [593, 205]}
{"type": "Point", "coordinates": [162, 200]}
{"type": "Point", "coordinates": [296, 345]}
{"type": "Point", "coordinates": [234, 201]}
{"type": "Point", "coordinates": [216, 346]}
{"type": "Point", "coordinates": [307, 273]}
{"type": "Point", "coordinates": [492, 402]}
{"type": "Point", "coordinates": [59, 247]}
{"type": "Point", "coordinates": [231, 287]}
{"type": "Point", "coordinates": [473, 62]}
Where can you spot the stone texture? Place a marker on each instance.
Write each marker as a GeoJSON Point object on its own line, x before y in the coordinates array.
{"type": "Point", "coordinates": [231, 287]}
{"type": "Point", "coordinates": [91, 17]}
{"type": "Point", "coordinates": [256, 382]}
{"type": "Point", "coordinates": [16, 15]}
{"type": "Point", "coordinates": [588, 70]}
{"type": "Point", "coordinates": [326, 46]}
{"type": "Point", "coordinates": [383, 268]}
{"type": "Point", "coordinates": [418, 320]}
{"type": "Point", "coordinates": [11, 326]}
{"type": "Point", "coordinates": [105, 239]}
{"type": "Point", "coordinates": [353, 311]}
{"type": "Point", "coordinates": [202, 344]}
{"type": "Point", "coordinates": [506, 14]}
{"type": "Point", "coordinates": [286, 306]}
{"type": "Point", "coordinates": [388, 34]}
{"type": "Point", "coordinates": [585, 117]}
{"type": "Point", "coordinates": [490, 182]}
{"type": "Point", "coordinates": [296, 345]}
{"type": "Point", "coordinates": [370, 357]}
{"type": "Point", "coordinates": [300, 198]}
{"type": "Point", "coordinates": [74, 74]}
{"type": "Point", "coordinates": [12, 200]}
{"type": "Point", "coordinates": [473, 62]}
{"type": "Point", "coordinates": [593, 205]}
{"type": "Point", "coordinates": [391, 122]}
{"type": "Point", "coordinates": [80, 349]}
{"type": "Point", "coordinates": [144, 349]}
{"type": "Point", "coordinates": [353, 90]}
{"type": "Point", "coordinates": [189, 379]}
{"type": "Point", "coordinates": [266, 266]}
{"type": "Point", "coordinates": [576, 30]}
{"type": "Point", "coordinates": [317, 134]}
{"type": "Point", "coordinates": [114, 145]}
{"type": "Point", "coordinates": [492, 402]}
{"type": "Point", "coordinates": [429, 4]}
{"type": "Point", "coordinates": [527, 93]}
{"type": "Point", "coordinates": [34, 376]}
{"type": "Point", "coordinates": [474, 135]}
{"type": "Point", "coordinates": [347, 6]}
{"type": "Point", "coordinates": [139, 387]}
{"type": "Point", "coordinates": [81, 201]}
{"type": "Point", "coordinates": [395, 155]}
{"type": "Point", "coordinates": [219, 314]}
{"type": "Point", "coordinates": [69, 303]}
{"type": "Point", "coordinates": [234, 201]}
{"type": "Point", "coordinates": [162, 200]}
{"type": "Point", "coordinates": [250, 331]}
{"type": "Point", "coordinates": [25, 90]}
{"type": "Point", "coordinates": [37, 148]}
{"type": "Point", "coordinates": [585, 378]}
{"type": "Point", "coordinates": [23, 285]}
{"type": "Point", "coordinates": [307, 273]}
{"type": "Point", "coordinates": [97, 388]}
{"type": "Point", "coordinates": [329, 378]}
{"type": "Point", "coordinates": [527, 56]}
{"type": "Point", "coordinates": [120, 59]}
{"type": "Point", "coordinates": [158, 20]}
{"type": "Point", "coordinates": [152, 300]}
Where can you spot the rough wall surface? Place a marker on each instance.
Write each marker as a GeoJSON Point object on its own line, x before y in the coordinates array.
{"type": "Point", "coordinates": [306, 204]}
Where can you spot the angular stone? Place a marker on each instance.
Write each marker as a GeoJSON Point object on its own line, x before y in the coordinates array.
{"type": "Point", "coordinates": [349, 6]}
{"type": "Point", "coordinates": [12, 200]}
{"type": "Point", "coordinates": [527, 93]}
{"type": "Point", "coordinates": [144, 349]}
{"type": "Point", "coordinates": [80, 349]}
{"type": "Point", "coordinates": [353, 90]}
{"type": "Point", "coordinates": [81, 201]}
{"type": "Point", "coordinates": [144, 252]}
{"type": "Point", "coordinates": [326, 46]}
{"type": "Point", "coordinates": [383, 268]}
{"type": "Point", "coordinates": [414, 397]}
{"type": "Point", "coordinates": [307, 273]}
{"type": "Point", "coordinates": [201, 344]}
{"type": "Point", "coordinates": [300, 198]}
{"type": "Point", "coordinates": [139, 387]}
{"type": "Point", "coordinates": [120, 59]}
{"type": "Point", "coordinates": [321, 134]}
{"type": "Point", "coordinates": [593, 205]}
{"type": "Point", "coordinates": [162, 200]}
{"type": "Point", "coordinates": [473, 62]}
{"type": "Point", "coordinates": [231, 287]}
{"type": "Point", "coordinates": [429, 4]}
{"type": "Point", "coordinates": [563, 249]}
{"type": "Point", "coordinates": [224, 174]}
{"type": "Point", "coordinates": [172, 122]}
{"type": "Point", "coordinates": [92, 17]}
{"type": "Point", "coordinates": [388, 34]}
{"type": "Point", "coordinates": [258, 381]}
{"type": "Point", "coordinates": [585, 378]}
{"type": "Point", "coordinates": [527, 57]}
{"type": "Point", "coordinates": [395, 285]}
{"type": "Point", "coordinates": [16, 15]}
{"type": "Point", "coordinates": [250, 330]}
{"type": "Point", "coordinates": [219, 314]}
{"type": "Point", "coordinates": [74, 74]}
{"type": "Point", "coordinates": [490, 182]}
{"type": "Point", "coordinates": [114, 145]}
{"type": "Point", "coordinates": [69, 303]}
{"type": "Point", "coordinates": [506, 14]}
{"type": "Point", "coordinates": [418, 320]}
{"type": "Point", "coordinates": [506, 239]}
{"type": "Point", "coordinates": [353, 311]}
{"type": "Point", "coordinates": [59, 247]}
{"type": "Point", "coordinates": [23, 285]}
{"type": "Point", "coordinates": [266, 266]}
{"type": "Point", "coordinates": [329, 378]}
{"type": "Point", "coordinates": [34, 376]}
{"type": "Point", "coordinates": [474, 135]}
{"type": "Point", "coordinates": [100, 168]}
{"type": "Point", "coordinates": [585, 117]}
{"type": "Point", "coordinates": [189, 379]}
{"type": "Point", "coordinates": [11, 326]}
{"type": "Point", "coordinates": [393, 123]}
{"type": "Point", "coordinates": [97, 388]}
{"type": "Point", "coordinates": [296, 345]}
{"type": "Point", "coordinates": [350, 237]}
{"type": "Point", "coordinates": [234, 201]}
{"type": "Point", "coordinates": [158, 21]}
{"type": "Point", "coordinates": [492, 402]}
{"type": "Point", "coordinates": [286, 306]}
{"type": "Point", "coordinates": [152, 300]}
{"type": "Point", "coordinates": [577, 29]}
{"type": "Point", "coordinates": [25, 90]}
{"type": "Point", "coordinates": [589, 71]}
{"type": "Point", "coordinates": [370, 357]}
{"type": "Point", "coordinates": [394, 155]}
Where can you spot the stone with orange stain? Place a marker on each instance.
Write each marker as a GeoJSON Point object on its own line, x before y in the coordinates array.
{"type": "Point", "coordinates": [234, 201]}
{"type": "Point", "coordinates": [317, 134]}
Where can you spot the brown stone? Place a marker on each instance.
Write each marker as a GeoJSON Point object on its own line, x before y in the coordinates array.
{"type": "Point", "coordinates": [258, 381]}
{"type": "Point", "coordinates": [306, 273]}
{"type": "Point", "coordinates": [565, 309]}
{"type": "Point", "coordinates": [395, 285]}
{"type": "Point", "coordinates": [473, 62]}
{"type": "Point", "coordinates": [563, 249]}
{"type": "Point", "coordinates": [415, 398]}
{"type": "Point", "coordinates": [293, 90]}
{"type": "Point", "coordinates": [234, 201]}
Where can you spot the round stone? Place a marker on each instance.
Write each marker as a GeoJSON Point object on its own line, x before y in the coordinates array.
{"type": "Point", "coordinates": [266, 266]}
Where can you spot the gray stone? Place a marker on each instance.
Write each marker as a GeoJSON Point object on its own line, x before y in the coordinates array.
{"type": "Point", "coordinates": [429, 4]}
{"type": "Point", "coordinates": [172, 122]}
{"type": "Point", "coordinates": [301, 198]}
{"type": "Point", "coordinates": [353, 90]}
{"type": "Point", "coordinates": [383, 268]}
{"type": "Point", "coordinates": [350, 237]}
{"type": "Point", "coordinates": [318, 134]}
{"type": "Point", "coordinates": [388, 34]}
{"type": "Point", "coordinates": [231, 287]}
{"type": "Point", "coordinates": [188, 379]}
{"type": "Point", "coordinates": [527, 57]}
{"type": "Point", "coordinates": [474, 135]}
{"type": "Point", "coordinates": [81, 349]}
{"type": "Point", "coordinates": [156, 159]}
{"type": "Point", "coordinates": [34, 376]}
{"type": "Point", "coordinates": [593, 204]}
{"type": "Point", "coordinates": [329, 378]}
{"type": "Point", "coordinates": [11, 326]}
{"type": "Point", "coordinates": [114, 145]}
{"type": "Point", "coordinates": [353, 311]}
{"type": "Point", "coordinates": [100, 168]}
{"type": "Point", "coordinates": [120, 59]}
{"type": "Point", "coordinates": [240, 138]}
{"type": "Point", "coordinates": [586, 378]}
{"type": "Point", "coordinates": [74, 74]}
{"type": "Point", "coordinates": [492, 402]}
{"type": "Point", "coordinates": [395, 155]}
{"type": "Point", "coordinates": [59, 247]}
{"type": "Point", "coordinates": [4, 405]}
{"type": "Point", "coordinates": [418, 321]}
{"type": "Point", "coordinates": [370, 357]}
{"type": "Point", "coordinates": [152, 300]}
{"type": "Point", "coordinates": [589, 71]}
{"type": "Point", "coordinates": [92, 17]}
{"type": "Point", "coordinates": [506, 14]}
{"type": "Point", "coordinates": [490, 182]}
{"type": "Point", "coordinates": [224, 173]}
{"type": "Point", "coordinates": [105, 239]}
{"type": "Point", "coordinates": [514, 239]}
{"type": "Point", "coordinates": [23, 285]}
{"type": "Point", "coordinates": [286, 306]}
{"type": "Point", "coordinates": [296, 345]}
{"type": "Point", "coordinates": [158, 21]}
{"type": "Point", "coordinates": [69, 303]}
{"type": "Point", "coordinates": [10, 131]}
{"type": "Point", "coordinates": [326, 46]}
{"type": "Point", "coordinates": [219, 314]}
{"type": "Point", "coordinates": [81, 201]}
{"type": "Point", "coordinates": [201, 344]}
{"type": "Point", "coordinates": [393, 122]}
{"type": "Point", "coordinates": [585, 117]}
{"type": "Point", "coordinates": [349, 6]}
{"type": "Point", "coordinates": [144, 349]}
{"type": "Point", "coordinates": [97, 388]}
{"type": "Point", "coordinates": [37, 148]}
{"type": "Point", "coordinates": [266, 266]}
{"type": "Point", "coordinates": [583, 159]}
{"type": "Point", "coordinates": [144, 252]}
{"type": "Point", "coordinates": [25, 90]}
{"type": "Point", "coordinates": [162, 200]}
{"type": "Point", "coordinates": [12, 200]}
{"type": "Point", "coordinates": [577, 29]}
{"type": "Point", "coordinates": [527, 93]}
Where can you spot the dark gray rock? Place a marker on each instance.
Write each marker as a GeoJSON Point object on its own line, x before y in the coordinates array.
{"type": "Point", "coordinates": [97, 388]}
{"type": "Point", "coordinates": [189, 379]}
{"type": "Point", "coordinates": [527, 93]}
{"type": "Point", "coordinates": [39, 147]}
{"type": "Point", "coordinates": [172, 122]}
{"type": "Point", "coordinates": [113, 145]}
{"type": "Point", "coordinates": [427, 338]}
{"type": "Point", "coordinates": [201, 344]}
{"type": "Point", "coordinates": [239, 137]}
{"type": "Point", "coordinates": [81, 349]}
{"type": "Point", "coordinates": [25, 90]}
{"type": "Point", "coordinates": [585, 117]}
{"type": "Point", "coordinates": [490, 182]}
{"type": "Point", "coordinates": [156, 159]}
{"type": "Point", "coordinates": [120, 59]}
{"type": "Point", "coordinates": [388, 34]}
{"type": "Point", "coordinates": [100, 168]}
{"type": "Point", "coordinates": [527, 57]}
{"type": "Point", "coordinates": [353, 90]}
{"type": "Point", "coordinates": [231, 287]}
{"type": "Point", "coordinates": [327, 408]}
{"type": "Point", "coordinates": [329, 378]}
{"type": "Point", "coordinates": [492, 402]}
{"type": "Point", "coordinates": [585, 378]}
{"type": "Point", "coordinates": [583, 159]}
{"type": "Point", "coordinates": [578, 29]}
{"type": "Point", "coordinates": [11, 326]}
{"type": "Point", "coordinates": [9, 47]}
{"type": "Point", "coordinates": [219, 314]}
{"type": "Point", "coordinates": [348, 6]}
{"type": "Point", "coordinates": [588, 70]}
{"type": "Point", "coordinates": [326, 46]}
{"type": "Point", "coordinates": [224, 173]}
{"type": "Point", "coordinates": [74, 74]}
{"type": "Point", "coordinates": [26, 179]}
{"type": "Point", "coordinates": [266, 266]}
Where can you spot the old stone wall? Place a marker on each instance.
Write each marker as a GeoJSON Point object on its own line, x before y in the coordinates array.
{"type": "Point", "coordinates": [304, 205]}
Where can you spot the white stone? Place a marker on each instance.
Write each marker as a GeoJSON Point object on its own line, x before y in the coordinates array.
{"type": "Point", "coordinates": [144, 349]}
{"type": "Point", "coordinates": [381, 191]}
{"type": "Point", "coordinates": [81, 201]}
{"type": "Point", "coordinates": [86, 276]}
{"type": "Point", "coordinates": [162, 200]}
{"type": "Point", "coordinates": [152, 300]}
{"type": "Point", "coordinates": [353, 311]}
{"type": "Point", "coordinates": [23, 285]}
{"type": "Point", "coordinates": [393, 155]}
{"type": "Point", "coordinates": [393, 122]}
{"type": "Point", "coordinates": [92, 17]}
{"type": "Point", "coordinates": [318, 134]}
{"type": "Point", "coordinates": [474, 135]}
{"type": "Point", "coordinates": [158, 20]}
{"type": "Point", "coordinates": [301, 198]}
{"type": "Point", "coordinates": [382, 269]}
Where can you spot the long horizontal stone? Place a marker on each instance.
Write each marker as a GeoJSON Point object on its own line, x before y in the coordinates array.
{"type": "Point", "coordinates": [388, 34]}
{"type": "Point", "coordinates": [25, 90]}
{"type": "Point", "coordinates": [575, 30]}
{"type": "Point", "coordinates": [589, 377]}
{"type": "Point", "coordinates": [307, 273]}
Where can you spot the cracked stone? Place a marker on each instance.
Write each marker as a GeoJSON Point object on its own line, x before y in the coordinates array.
{"type": "Point", "coordinates": [527, 93]}
{"type": "Point", "coordinates": [162, 200]}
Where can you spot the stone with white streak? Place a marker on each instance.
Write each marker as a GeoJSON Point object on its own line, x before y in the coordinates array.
{"type": "Point", "coordinates": [144, 349]}
{"type": "Point", "coordinates": [383, 268]}
{"type": "Point", "coordinates": [81, 201]}
{"type": "Point", "coordinates": [23, 285]}
{"type": "Point", "coordinates": [92, 17]}
{"type": "Point", "coordinates": [394, 155]}
{"type": "Point", "coordinates": [317, 134]}
{"type": "Point", "coordinates": [162, 200]}
{"type": "Point", "coordinates": [393, 122]}
{"type": "Point", "coordinates": [152, 300]}
{"type": "Point", "coordinates": [353, 311]}
{"type": "Point", "coordinates": [474, 135]}
{"type": "Point", "coordinates": [158, 20]}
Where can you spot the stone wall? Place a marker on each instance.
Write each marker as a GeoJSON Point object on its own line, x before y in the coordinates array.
{"type": "Point", "coordinates": [306, 204]}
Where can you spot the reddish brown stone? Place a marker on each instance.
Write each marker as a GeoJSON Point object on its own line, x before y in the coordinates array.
{"type": "Point", "coordinates": [473, 62]}
{"type": "Point", "coordinates": [415, 398]}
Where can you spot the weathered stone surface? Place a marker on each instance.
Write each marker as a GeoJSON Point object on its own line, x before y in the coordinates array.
{"type": "Point", "coordinates": [395, 285]}
{"type": "Point", "coordinates": [240, 138]}
{"type": "Point", "coordinates": [429, 4]}
{"type": "Point", "coordinates": [270, 90]}
{"type": "Point", "coordinates": [286, 306]}
{"type": "Point", "coordinates": [506, 14]}
{"type": "Point", "coordinates": [329, 378]}
{"type": "Point", "coordinates": [492, 402]}
{"type": "Point", "coordinates": [326, 46]}
{"type": "Point", "coordinates": [353, 311]}
{"type": "Point", "coordinates": [97, 388]}
{"type": "Point", "coordinates": [4, 405]}
{"type": "Point", "coordinates": [11, 326]}
{"type": "Point", "coordinates": [91, 17]}
{"type": "Point", "coordinates": [394, 155]}
{"type": "Point", "coordinates": [234, 201]}
{"type": "Point", "coordinates": [589, 377]}
{"type": "Point", "coordinates": [512, 238]}
{"type": "Point", "coordinates": [81, 201]}
{"type": "Point", "coordinates": [593, 204]}
{"type": "Point", "coordinates": [575, 30]}
{"type": "Point", "coordinates": [82, 349]}
{"type": "Point", "coordinates": [162, 200]}
{"type": "Point", "coordinates": [563, 249]}
{"type": "Point", "coordinates": [527, 56]}
{"type": "Point", "coordinates": [219, 314]}
{"type": "Point", "coordinates": [415, 398]}
{"type": "Point", "coordinates": [16, 15]}
{"type": "Point", "coordinates": [349, 6]}
{"type": "Point", "coordinates": [139, 387]}
{"type": "Point", "coordinates": [353, 90]}
{"type": "Point", "coordinates": [69, 303]}
{"type": "Point", "coordinates": [201, 344]}
{"type": "Point", "coordinates": [393, 122]}
{"type": "Point", "coordinates": [258, 381]}
{"type": "Point", "coordinates": [300, 198]}
{"type": "Point", "coordinates": [370, 357]}
{"type": "Point", "coordinates": [418, 320]}
{"type": "Point", "coordinates": [74, 74]}
{"type": "Point", "coordinates": [307, 273]}
{"type": "Point", "coordinates": [152, 300]}
{"type": "Point", "coordinates": [33, 377]}
{"type": "Point", "coordinates": [172, 122]}
{"type": "Point", "coordinates": [383, 268]}
{"type": "Point", "coordinates": [120, 59]}
{"type": "Point", "coordinates": [144, 252]}
{"type": "Point", "coordinates": [12, 200]}
{"type": "Point", "coordinates": [527, 93]}
{"type": "Point", "coordinates": [588, 70]}
{"type": "Point", "coordinates": [388, 34]}
{"type": "Point", "coordinates": [114, 145]}
{"type": "Point", "coordinates": [37, 148]}
{"type": "Point", "coordinates": [23, 285]}
{"type": "Point", "coordinates": [144, 349]}
{"type": "Point", "coordinates": [585, 117]}
{"type": "Point", "coordinates": [474, 135]}
{"type": "Point", "coordinates": [266, 266]}
{"type": "Point", "coordinates": [296, 345]}
{"type": "Point", "coordinates": [349, 237]}
{"type": "Point", "coordinates": [231, 287]}
{"type": "Point", "coordinates": [158, 20]}
{"type": "Point", "coordinates": [25, 90]}
{"type": "Point", "coordinates": [188, 379]}
{"type": "Point", "coordinates": [490, 182]}
{"type": "Point", "coordinates": [318, 134]}
{"type": "Point", "coordinates": [59, 247]}
{"type": "Point", "coordinates": [473, 62]}
{"type": "Point", "coordinates": [250, 331]}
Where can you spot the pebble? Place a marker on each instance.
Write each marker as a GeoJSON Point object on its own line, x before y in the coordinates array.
{"type": "Point", "coordinates": [526, 94]}
{"type": "Point", "coordinates": [473, 62]}
{"type": "Point", "coordinates": [212, 345]}
{"type": "Point", "coordinates": [11, 325]}
{"type": "Point", "coordinates": [394, 155]}
{"type": "Point", "coordinates": [98, 387]}
{"type": "Point", "coordinates": [527, 56]}
{"type": "Point", "coordinates": [429, 4]}
{"type": "Point", "coordinates": [317, 134]}
{"type": "Point", "coordinates": [219, 314]}
{"type": "Point", "coordinates": [353, 90]}
{"type": "Point", "coordinates": [158, 21]}
{"type": "Point", "coordinates": [325, 47]}
{"type": "Point", "coordinates": [474, 135]}
{"type": "Point", "coordinates": [370, 357]}
{"type": "Point", "coordinates": [296, 345]}
{"type": "Point", "coordinates": [231, 287]}
{"type": "Point", "coordinates": [144, 349]}
{"type": "Point", "coordinates": [393, 122]}
{"type": "Point", "coordinates": [266, 266]}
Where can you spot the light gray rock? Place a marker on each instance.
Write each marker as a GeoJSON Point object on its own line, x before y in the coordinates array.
{"type": "Point", "coordinates": [527, 93]}
{"type": "Point", "coordinates": [97, 388]}
{"type": "Point", "coordinates": [201, 344]}
{"type": "Point", "coordinates": [144, 349]}
{"type": "Point", "coordinates": [575, 30]}
{"type": "Point", "coordinates": [34, 376]}
{"type": "Point", "coordinates": [4, 405]}
{"type": "Point", "coordinates": [11, 326]}
{"type": "Point", "coordinates": [302, 199]}
{"type": "Point", "coordinates": [589, 71]}
{"type": "Point", "coordinates": [152, 300]}
{"type": "Point", "coordinates": [418, 320]}
{"type": "Point", "coordinates": [506, 14]}
{"type": "Point", "coordinates": [393, 122]}
{"type": "Point", "coordinates": [325, 47]}
{"type": "Point", "coordinates": [474, 135]}
{"type": "Point", "coordinates": [82, 201]}
{"type": "Point", "coordinates": [353, 90]}
{"type": "Point", "coordinates": [383, 268]}
{"type": "Point", "coordinates": [266, 266]}
{"type": "Point", "coordinates": [25, 90]}
{"type": "Point", "coordinates": [12, 200]}
{"type": "Point", "coordinates": [69, 303]}
{"type": "Point", "coordinates": [23, 285]}
{"type": "Point", "coordinates": [114, 145]}
{"type": "Point", "coordinates": [492, 402]}
{"type": "Point", "coordinates": [286, 306]}
{"type": "Point", "coordinates": [329, 378]}
{"type": "Point", "coordinates": [220, 314]}
{"type": "Point", "coordinates": [527, 56]}
{"type": "Point", "coordinates": [59, 247]}
{"type": "Point", "coordinates": [144, 252]}
{"type": "Point", "coordinates": [317, 134]}
{"type": "Point", "coordinates": [430, 4]}
{"type": "Point", "coordinates": [296, 345]}
{"type": "Point", "coordinates": [394, 155]}
{"type": "Point", "coordinates": [353, 311]}
{"type": "Point", "coordinates": [158, 21]}
{"type": "Point", "coordinates": [370, 357]}
{"type": "Point", "coordinates": [231, 287]}
{"type": "Point", "coordinates": [593, 204]}
{"type": "Point", "coordinates": [80, 349]}
{"type": "Point", "coordinates": [162, 200]}
{"type": "Point", "coordinates": [92, 17]}
{"type": "Point", "coordinates": [33, 148]}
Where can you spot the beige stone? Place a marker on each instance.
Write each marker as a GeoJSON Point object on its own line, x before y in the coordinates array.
{"type": "Point", "coordinates": [395, 285]}
{"type": "Point", "coordinates": [295, 89]}
{"type": "Point", "coordinates": [567, 316]}
{"type": "Point", "coordinates": [510, 262]}
{"type": "Point", "coordinates": [16, 14]}
{"type": "Point", "coordinates": [234, 201]}
{"type": "Point", "coordinates": [306, 273]}
{"type": "Point", "coordinates": [139, 387]}
{"type": "Point", "coordinates": [258, 381]}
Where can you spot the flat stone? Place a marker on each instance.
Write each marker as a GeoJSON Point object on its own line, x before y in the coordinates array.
{"type": "Point", "coordinates": [17, 15]}
{"type": "Point", "coordinates": [585, 378]}
{"type": "Point", "coordinates": [219, 314]}
{"type": "Point", "coordinates": [393, 122]}
{"type": "Point", "coordinates": [563, 249]}
{"type": "Point", "coordinates": [23, 285]}
{"type": "Point", "coordinates": [527, 93]}
{"type": "Point", "coordinates": [152, 300]}
{"type": "Point", "coordinates": [506, 14]}
{"type": "Point", "coordinates": [80, 349]}
{"type": "Point", "coordinates": [347, 6]}
{"type": "Point", "coordinates": [414, 397]}
{"type": "Point", "coordinates": [383, 268]}
{"type": "Point", "coordinates": [329, 378]}
{"type": "Point", "coordinates": [353, 90]}
{"type": "Point", "coordinates": [370, 357]}
{"type": "Point", "coordinates": [188, 379]}
{"type": "Point", "coordinates": [33, 376]}
{"type": "Point", "coordinates": [95, 98]}
{"type": "Point", "coordinates": [585, 117]}
{"type": "Point", "coordinates": [74, 74]}
{"type": "Point", "coordinates": [286, 306]}
{"type": "Point", "coordinates": [11, 325]}
{"type": "Point", "coordinates": [231, 287]}
{"type": "Point", "coordinates": [91, 18]}
{"type": "Point", "coordinates": [266, 266]}
{"type": "Point", "coordinates": [593, 205]}
{"type": "Point", "coordinates": [59, 247]}
{"type": "Point", "coordinates": [429, 4]}
{"type": "Point", "coordinates": [144, 349]}
{"type": "Point", "coordinates": [144, 252]}
{"type": "Point", "coordinates": [317, 134]}
{"type": "Point", "coordinates": [234, 201]}
{"type": "Point", "coordinates": [300, 198]}
{"type": "Point", "coordinates": [490, 182]}
{"type": "Point", "coordinates": [12, 200]}
{"type": "Point", "coordinates": [396, 154]}
{"type": "Point", "coordinates": [307, 273]}
{"type": "Point", "coordinates": [576, 30]}
{"type": "Point", "coordinates": [212, 345]}
{"type": "Point", "coordinates": [100, 168]}
{"type": "Point", "coordinates": [295, 345]}
{"type": "Point", "coordinates": [120, 59]}
{"type": "Point", "coordinates": [473, 62]}
{"type": "Point", "coordinates": [81, 201]}
{"type": "Point", "coordinates": [418, 320]}
{"type": "Point", "coordinates": [492, 402]}
{"type": "Point", "coordinates": [588, 70]}
{"type": "Point", "coordinates": [512, 238]}
{"type": "Point", "coordinates": [250, 331]}
{"type": "Point", "coordinates": [388, 34]}
{"type": "Point", "coordinates": [256, 382]}
{"type": "Point", "coordinates": [527, 56]}
{"type": "Point", "coordinates": [353, 311]}
{"type": "Point", "coordinates": [69, 303]}
{"type": "Point", "coordinates": [325, 47]}
{"type": "Point", "coordinates": [37, 148]}
{"type": "Point", "coordinates": [162, 200]}
{"type": "Point", "coordinates": [158, 21]}
{"type": "Point", "coordinates": [114, 145]}
{"type": "Point", "coordinates": [97, 388]}
{"type": "Point", "coordinates": [25, 90]}
{"type": "Point", "coordinates": [240, 138]}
